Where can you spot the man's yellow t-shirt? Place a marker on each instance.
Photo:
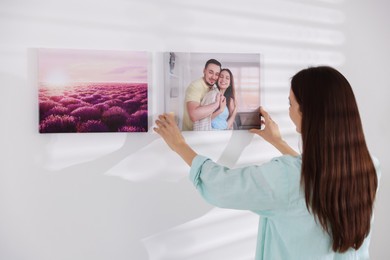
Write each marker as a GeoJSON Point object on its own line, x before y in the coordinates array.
{"type": "Point", "coordinates": [195, 92]}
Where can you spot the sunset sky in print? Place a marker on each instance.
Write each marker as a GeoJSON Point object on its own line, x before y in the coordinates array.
{"type": "Point", "coordinates": [61, 66]}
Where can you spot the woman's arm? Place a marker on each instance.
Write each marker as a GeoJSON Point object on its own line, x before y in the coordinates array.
{"type": "Point", "coordinates": [170, 132]}
{"type": "Point", "coordinates": [224, 187]}
{"type": "Point", "coordinates": [271, 134]}
{"type": "Point", "coordinates": [197, 112]}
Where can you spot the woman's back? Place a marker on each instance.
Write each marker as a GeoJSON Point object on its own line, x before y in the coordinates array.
{"type": "Point", "coordinates": [287, 230]}
{"type": "Point", "coordinates": [293, 232]}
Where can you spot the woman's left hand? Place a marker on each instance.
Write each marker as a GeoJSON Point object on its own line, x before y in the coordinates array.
{"type": "Point", "coordinates": [169, 131]}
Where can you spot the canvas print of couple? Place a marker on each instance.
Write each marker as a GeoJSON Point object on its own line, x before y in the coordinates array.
{"type": "Point", "coordinates": [213, 91]}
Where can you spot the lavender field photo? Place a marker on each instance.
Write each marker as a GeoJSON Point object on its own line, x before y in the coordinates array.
{"type": "Point", "coordinates": [92, 91]}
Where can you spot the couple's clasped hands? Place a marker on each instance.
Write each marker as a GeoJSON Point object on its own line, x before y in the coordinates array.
{"type": "Point", "coordinates": [220, 101]}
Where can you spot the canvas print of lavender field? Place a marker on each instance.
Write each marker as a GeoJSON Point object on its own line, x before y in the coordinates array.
{"type": "Point", "coordinates": [92, 91]}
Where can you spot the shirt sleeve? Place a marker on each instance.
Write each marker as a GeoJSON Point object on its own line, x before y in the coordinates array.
{"type": "Point", "coordinates": [264, 187]}
{"type": "Point", "coordinates": [193, 93]}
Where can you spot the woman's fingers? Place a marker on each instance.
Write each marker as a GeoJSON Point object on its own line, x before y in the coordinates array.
{"type": "Point", "coordinates": [167, 128]}
{"type": "Point", "coordinates": [170, 117]}
{"type": "Point", "coordinates": [162, 118]}
{"type": "Point", "coordinates": [164, 121]}
{"type": "Point", "coordinates": [255, 131]}
{"type": "Point", "coordinates": [265, 114]}
{"type": "Point", "coordinates": [159, 124]}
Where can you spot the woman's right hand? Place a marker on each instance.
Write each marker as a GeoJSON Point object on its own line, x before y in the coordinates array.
{"type": "Point", "coordinates": [271, 134]}
{"type": "Point", "coordinates": [270, 131]}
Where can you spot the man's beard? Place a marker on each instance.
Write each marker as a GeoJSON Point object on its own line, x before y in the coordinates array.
{"type": "Point", "coordinates": [208, 84]}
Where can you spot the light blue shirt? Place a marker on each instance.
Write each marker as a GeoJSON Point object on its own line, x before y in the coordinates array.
{"type": "Point", "coordinates": [286, 228]}
{"type": "Point", "coordinates": [220, 121]}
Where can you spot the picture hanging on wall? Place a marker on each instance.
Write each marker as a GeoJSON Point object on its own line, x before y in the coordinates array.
{"type": "Point", "coordinates": [85, 91]}
{"type": "Point", "coordinates": [213, 91]}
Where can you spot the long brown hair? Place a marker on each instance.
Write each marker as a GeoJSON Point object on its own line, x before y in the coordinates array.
{"type": "Point", "coordinates": [338, 174]}
{"type": "Point", "coordinates": [230, 92]}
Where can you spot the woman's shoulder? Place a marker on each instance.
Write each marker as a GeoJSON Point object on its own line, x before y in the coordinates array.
{"type": "Point", "coordinates": [288, 160]}
{"type": "Point", "coordinates": [289, 165]}
{"type": "Point", "coordinates": [284, 165]}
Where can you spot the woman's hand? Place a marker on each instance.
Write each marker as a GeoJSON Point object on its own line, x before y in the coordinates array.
{"type": "Point", "coordinates": [222, 103]}
{"type": "Point", "coordinates": [271, 134]}
{"type": "Point", "coordinates": [170, 132]}
{"type": "Point", "coordinates": [217, 102]}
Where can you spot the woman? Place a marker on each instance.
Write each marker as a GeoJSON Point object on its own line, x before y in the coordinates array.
{"type": "Point", "coordinates": [223, 117]}
{"type": "Point", "coordinates": [317, 205]}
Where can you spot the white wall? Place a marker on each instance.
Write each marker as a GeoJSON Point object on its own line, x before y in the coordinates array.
{"type": "Point", "coordinates": [367, 68]}
{"type": "Point", "coordinates": [124, 196]}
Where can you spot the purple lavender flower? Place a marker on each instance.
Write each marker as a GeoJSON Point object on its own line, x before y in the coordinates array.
{"type": "Point", "coordinates": [45, 106]}
{"type": "Point", "coordinates": [90, 99]}
{"type": "Point", "coordinates": [58, 124]}
{"type": "Point", "coordinates": [57, 110]}
{"type": "Point", "coordinates": [113, 102]}
{"type": "Point", "coordinates": [86, 113]}
{"type": "Point", "coordinates": [114, 118]}
{"type": "Point", "coordinates": [102, 107]}
{"type": "Point", "coordinates": [92, 126]}
{"type": "Point", "coordinates": [56, 98]}
{"type": "Point", "coordinates": [69, 100]}
{"type": "Point", "coordinates": [143, 107]}
{"type": "Point", "coordinates": [139, 119]}
{"type": "Point", "coordinates": [72, 107]}
{"type": "Point", "coordinates": [132, 129]}
{"type": "Point", "coordinates": [131, 106]}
